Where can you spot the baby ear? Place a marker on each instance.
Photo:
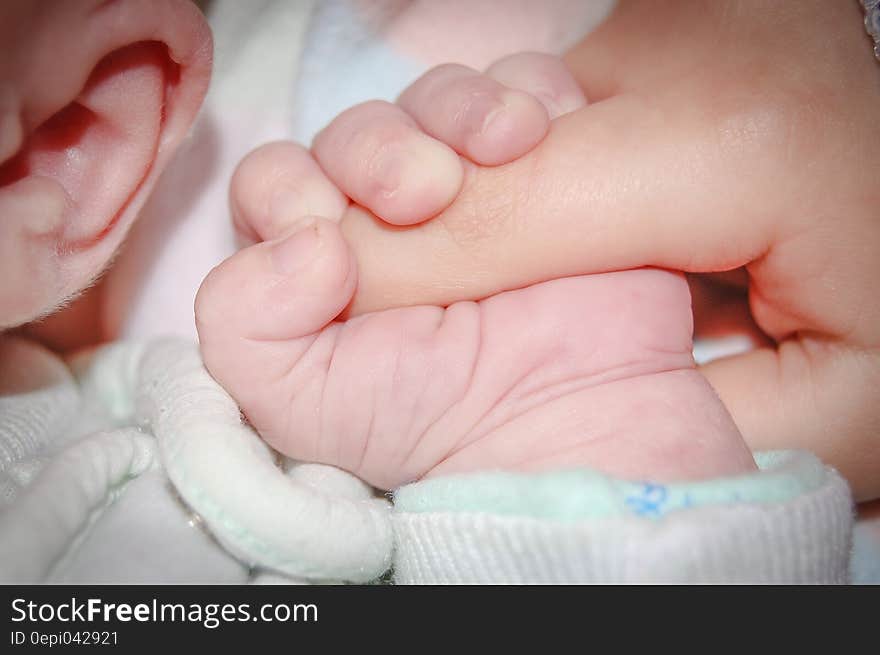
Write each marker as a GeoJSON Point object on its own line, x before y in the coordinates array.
{"type": "Point", "coordinates": [97, 150]}
{"type": "Point", "coordinates": [80, 172]}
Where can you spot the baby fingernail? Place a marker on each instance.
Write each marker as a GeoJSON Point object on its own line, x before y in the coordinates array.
{"type": "Point", "coordinates": [385, 171]}
{"type": "Point", "coordinates": [486, 114]}
{"type": "Point", "coordinates": [510, 104]}
{"type": "Point", "coordinates": [296, 251]}
{"type": "Point", "coordinates": [562, 104]}
{"type": "Point", "coordinates": [286, 204]}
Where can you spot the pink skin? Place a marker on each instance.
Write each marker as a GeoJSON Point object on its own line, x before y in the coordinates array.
{"type": "Point", "coordinates": [475, 114]}
{"type": "Point", "coordinates": [591, 371]}
{"type": "Point", "coordinates": [398, 160]}
{"type": "Point", "coordinates": [94, 99]}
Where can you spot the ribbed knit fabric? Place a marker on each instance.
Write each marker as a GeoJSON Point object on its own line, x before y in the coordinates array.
{"type": "Point", "coordinates": [38, 398]}
{"type": "Point", "coordinates": [806, 539]}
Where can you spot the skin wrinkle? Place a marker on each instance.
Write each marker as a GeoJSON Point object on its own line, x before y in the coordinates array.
{"type": "Point", "coordinates": [818, 363]}
{"type": "Point", "coordinates": [811, 364]}
{"type": "Point", "coordinates": [471, 435]}
{"type": "Point", "coordinates": [322, 415]}
{"type": "Point", "coordinates": [488, 210]}
{"type": "Point", "coordinates": [611, 376]}
{"type": "Point", "coordinates": [631, 369]}
{"type": "Point", "coordinates": [368, 432]}
{"type": "Point", "coordinates": [595, 438]}
{"type": "Point", "coordinates": [431, 425]}
{"type": "Point", "coordinates": [523, 203]}
{"type": "Point", "coordinates": [840, 324]}
{"type": "Point", "coordinates": [351, 331]}
{"type": "Point", "coordinates": [757, 302]}
{"type": "Point", "coordinates": [289, 378]}
{"type": "Point", "coordinates": [414, 444]}
{"type": "Point", "coordinates": [463, 442]}
{"type": "Point", "coordinates": [395, 382]}
{"type": "Point", "coordinates": [433, 422]}
{"type": "Point", "coordinates": [497, 405]}
{"type": "Point", "coordinates": [793, 363]}
{"type": "Point", "coordinates": [417, 411]}
{"type": "Point", "coordinates": [305, 389]}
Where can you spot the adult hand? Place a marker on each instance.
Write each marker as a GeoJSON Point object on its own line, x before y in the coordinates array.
{"type": "Point", "coordinates": [719, 136]}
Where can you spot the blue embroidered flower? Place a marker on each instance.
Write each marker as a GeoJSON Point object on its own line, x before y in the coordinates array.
{"type": "Point", "coordinates": [650, 500]}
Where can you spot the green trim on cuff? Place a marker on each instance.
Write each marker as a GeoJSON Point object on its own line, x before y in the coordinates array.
{"type": "Point", "coordinates": [586, 494]}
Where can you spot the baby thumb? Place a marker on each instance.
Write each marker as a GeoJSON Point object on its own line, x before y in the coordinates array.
{"type": "Point", "coordinates": [260, 309]}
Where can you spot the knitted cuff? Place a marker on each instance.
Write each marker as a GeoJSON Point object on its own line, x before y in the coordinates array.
{"type": "Point", "coordinates": [803, 536]}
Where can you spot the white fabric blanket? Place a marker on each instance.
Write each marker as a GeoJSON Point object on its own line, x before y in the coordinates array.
{"type": "Point", "coordinates": [91, 491]}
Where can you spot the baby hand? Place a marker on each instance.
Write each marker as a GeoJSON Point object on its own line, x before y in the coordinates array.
{"type": "Point", "coordinates": [405, 162]}
{"type": "Point", "coordinates": [592, 371]}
